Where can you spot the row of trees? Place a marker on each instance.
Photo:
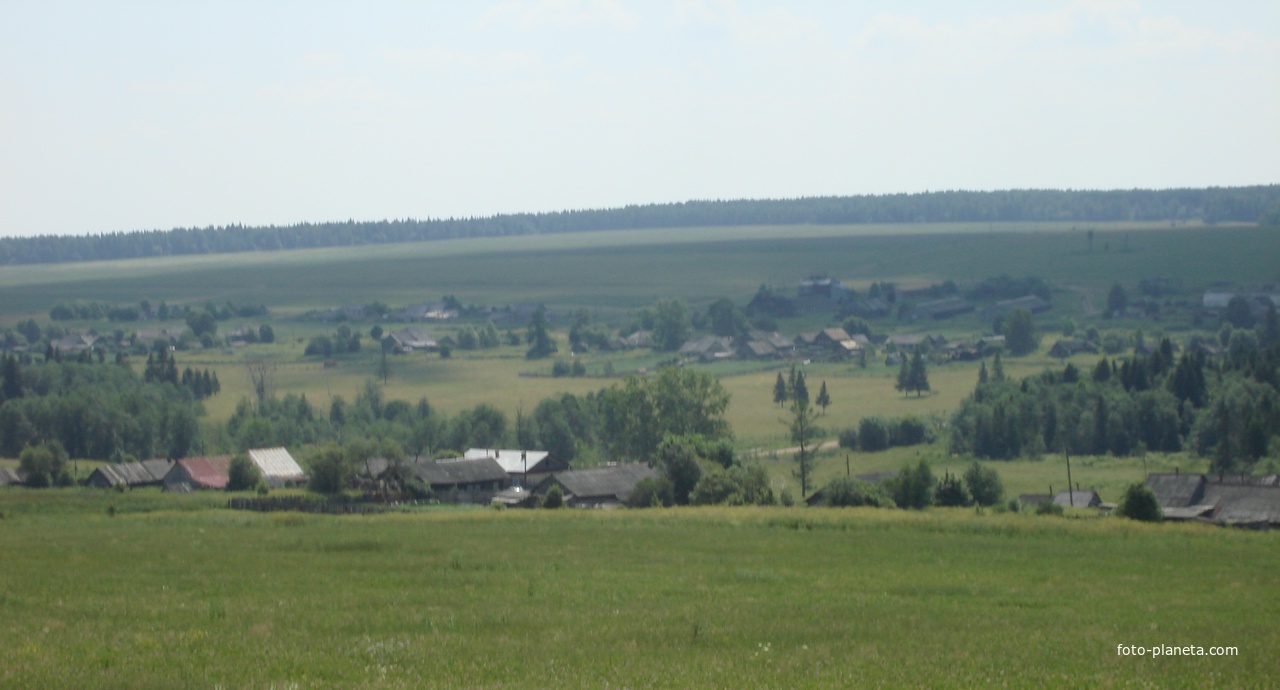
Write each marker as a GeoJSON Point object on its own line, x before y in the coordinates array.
{"type": "Point", "coordinates": [915, 487]}
{"type": "Point", "coordinates": [95, 411]}
{"type": "Point", "coordinates": [1227, 410]}
{"type": "Point", "coordinates": [1246, 204]}
{"type": "Point", "coordinates": [626, 421]}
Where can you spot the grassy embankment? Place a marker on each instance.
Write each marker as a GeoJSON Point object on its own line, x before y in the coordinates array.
{"type": "Point", "coordinates": [168, 593]}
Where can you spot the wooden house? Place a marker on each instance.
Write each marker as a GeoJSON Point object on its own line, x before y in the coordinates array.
{"type": "Point", "coordinates": [598, 487]}
{"type": "Point", "coordinates": [194, 474]}
{"type": "Point", "coordinates": [460, 480]}
{"type": "Point", "coordinates": [130, 474]}
{"type": "Point", "coordinates": [524, 467]}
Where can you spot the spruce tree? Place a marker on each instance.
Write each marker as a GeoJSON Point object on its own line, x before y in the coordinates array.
{"type": "Point", "coordinates": [780, 390]}
{"type": "Point", "coordinates": [824, 398]}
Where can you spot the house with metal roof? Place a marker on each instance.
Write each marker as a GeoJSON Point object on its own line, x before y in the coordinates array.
{"type": "Point", "coordinates": [598, 487]}
{"type": "Point", "coordinates": [9, 477]}
{"type": "Point", "coordinates": [525, 467]}
{"type": "Point", "coordinates": [277, 467]}
{"type": "Point", "coordinates": [130, 474]}
{"type": "Point", "coordinates": [411, 339]}
{"type": "Point", "coordinates": [193, 474]}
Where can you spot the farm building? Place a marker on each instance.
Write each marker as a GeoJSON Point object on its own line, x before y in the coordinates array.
{"type": "Point", "coordinates": [599, 487]}
{"type": "Point", "coordinates": [939, 309]}
{"type": "Point", "coordinates": [1032, 303]}
{"type": "Point", "coordinates": [414, 339]}
{"type": "Point", "coordinates": [191, 474]}
{"type": "Point", "coordinates": [708, 348]}
{"type": "Point", "coordinates": [277, 467]}
{"type": "Point", "coordinates": [1087, 498]}
{"type": "Point", "coordinates": [909, 342]}
{"type": "Point", "coordinates": [1242, 500]}
{"type": "Point", "coordinates": [1067, 347]}
{"type": "Point", "coordinates": [461, 480]}
{"type": "Point", "coordinates": [9, 477]}
{"type": "Point", "coordinates": [525, 467]}
{"type": "Point", "coordinates": [130, 474]}
{"type": "Point", "coordinates": [822, 286]}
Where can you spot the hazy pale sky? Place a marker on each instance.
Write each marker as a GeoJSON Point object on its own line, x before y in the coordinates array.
{"type": "Point", "coordinates": [132, 115]}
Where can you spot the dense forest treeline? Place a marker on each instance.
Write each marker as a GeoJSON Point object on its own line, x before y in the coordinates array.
{"type": "Point", "coordinates": [1215, 204]}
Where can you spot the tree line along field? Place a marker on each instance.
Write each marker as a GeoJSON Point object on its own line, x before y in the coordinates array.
{"type": "Point", "coordinates": [163, 591]}
{"type": "Point", "coordinates": [627, 270]}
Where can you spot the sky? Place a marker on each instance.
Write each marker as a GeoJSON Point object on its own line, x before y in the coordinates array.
{"type": "Point", "coordinates": [129, 115]}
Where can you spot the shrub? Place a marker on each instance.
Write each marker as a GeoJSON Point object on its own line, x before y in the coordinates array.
{"type": "Point", "coordinates": [849, 438]}
{"type": "Point", "coordinates": [242, 475]}
{"type": "Point", "coordinates": [849, 492]}
{"type": "Point", "coordinates": [1139, 503]}
{"type": "Point", "coordinates": [950, 492]}
{"type": "Point", "coordinates": [734, 486]}
{"type": "Point", "coordinates": [328, 470]}
{"type": "Point", "coordinates": [873, 434]}
{"type": "Point", "coordinates": [1049, 508]}
{"type": "Point", "coordinates": [651, 492]}
{"type": "Point", "coordinates": [984, 484]}
{"type": "Point", "coordinates": [908, 431]}
{"type": "Point", "coordinates": [786, 499]}
{"type": "Point", "coordinates": [554, 498]}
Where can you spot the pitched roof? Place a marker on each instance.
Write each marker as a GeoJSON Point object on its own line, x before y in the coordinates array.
{"type": "Point", "coordinates": [133, 473]}
{"type": "Point", "coordinates": [515, 461]}
{"type": "Point", "coordinates": [276, 463]}
{"type": "Point", "coordinates": [210, 472]}
{"type": "Point", "coordinates": [1078, 498]}
{"type": "Point", "coordinates": [460, 471]}
{"type": "Point", "coordinates": [1176, 490]}
{"type": "Point", "coordinates": [604, 482]}
{"type": "Point", "coordinates": [8, 476]}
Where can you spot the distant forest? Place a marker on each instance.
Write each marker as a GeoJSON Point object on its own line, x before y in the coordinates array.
{"type": "Point", "coordinates": [1216, 204]}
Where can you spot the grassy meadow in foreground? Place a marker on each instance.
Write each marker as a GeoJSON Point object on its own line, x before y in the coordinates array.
{"type": "Point", "coordinates": [169, 593]}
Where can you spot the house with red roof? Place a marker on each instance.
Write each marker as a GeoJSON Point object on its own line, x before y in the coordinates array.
{"type": "Point", "coordinates": [193, 474]}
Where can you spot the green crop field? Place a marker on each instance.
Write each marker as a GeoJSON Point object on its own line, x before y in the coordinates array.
{"type": "Point", "coordinates": [623, 270]}
{"type": "Point", "coordinates": [167, 592]}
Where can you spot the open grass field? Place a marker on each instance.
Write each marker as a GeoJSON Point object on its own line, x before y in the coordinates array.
{"type": "Point", "coordinates": [169, 593]}
{"type": "Point", "coordinates": [625, 270]}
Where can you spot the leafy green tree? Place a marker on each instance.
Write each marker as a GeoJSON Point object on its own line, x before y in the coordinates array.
{"type": "Point", "coordinates": [1139, 503]}
{"type": "Point", "coordinates": [983, 484]}
{"type": "Point", "coordinates": [637, 414]}
{"type": "Point", "coordinates": [726, 319]}
{"type": "Point", "coordinates": [242, 475]}
{"type": "Point", "coordinates": [1238, 312]}
{"type": "Point", "coordinates": [329, 469]}
{"type": "Point", "coordinates": [671, 324]}
{"type": "Point", "coordinates": [824, 398]}
{"type": "Point", "coordinates": [42, 465]}
{"type": "Point", "coordinates": [202, 323]}
{"type": "Point", "coordinates": [913, 487]}
{"type": "Point", "coordinates": [679, 463]}
{"type": "Point", "coordinates": [1117, 301]}
{"type": "Point", "coordinates": [1019, 332]}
